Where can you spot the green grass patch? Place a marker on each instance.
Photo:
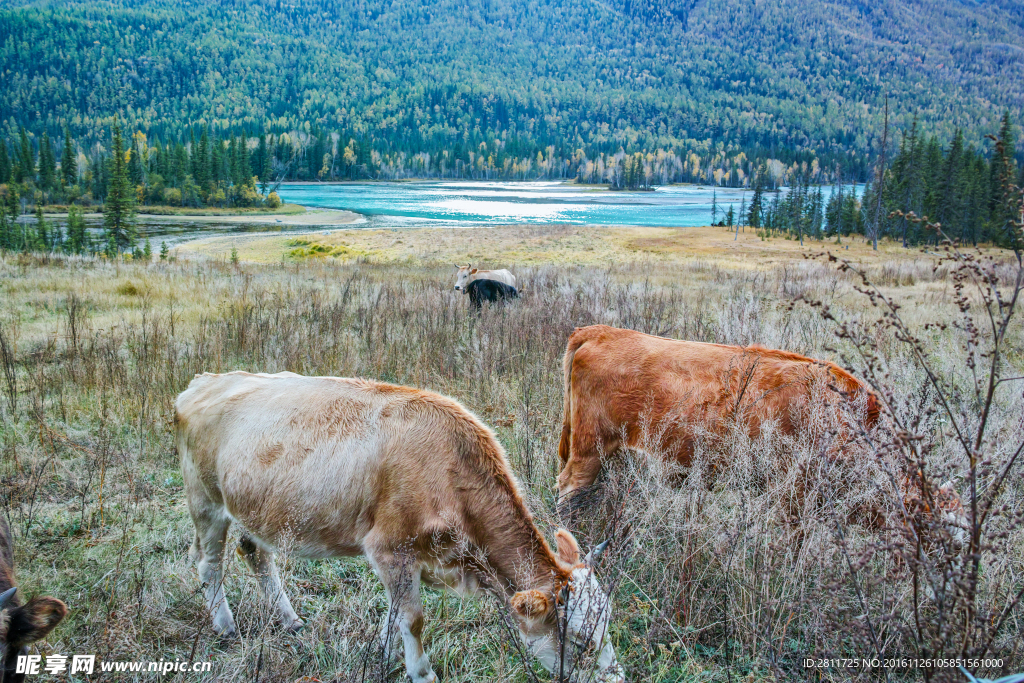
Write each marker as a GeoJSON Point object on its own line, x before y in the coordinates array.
{"type": "Point", "coordinates": [304, 248]}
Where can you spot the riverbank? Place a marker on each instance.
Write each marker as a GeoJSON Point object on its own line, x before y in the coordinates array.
{"type": "Point", "coordinates": [535, 245]}
{"type": "Point", "coordinates": [287, 215]}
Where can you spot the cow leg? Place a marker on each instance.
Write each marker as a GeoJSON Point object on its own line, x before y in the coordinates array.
{"type": "Point", "coordinates": [400, 575]}
{"type": "Point", "coordinates": [583, 464]}
{"type": "Point", "coordinates": [261, 561]}
{"type": "Point", "coordinates": [211, 532]}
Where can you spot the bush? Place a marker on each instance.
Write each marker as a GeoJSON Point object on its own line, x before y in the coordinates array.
{"type": "Point", "coordinates": [172, 196]}
{"type": "Point", "coordinates": [273, 201]}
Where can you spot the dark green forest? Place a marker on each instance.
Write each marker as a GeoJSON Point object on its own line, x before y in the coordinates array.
{"type": "Point", "coordinates": [215, 104]}
{"type": "Point", "coordinates": [706, 91]}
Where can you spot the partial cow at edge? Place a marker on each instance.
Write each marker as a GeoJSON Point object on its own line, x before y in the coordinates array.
{"type": "Point", "coordinates": [467, 274]}
{"type": "Point", "coordinates": [334, 467]}
{"type": "Point", "coordinates": [626, 389]}
{"type": "Point", "coordinates": [20, 625]}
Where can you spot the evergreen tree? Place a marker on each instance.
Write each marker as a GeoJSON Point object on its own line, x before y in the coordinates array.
{"type": "Point", "coordinates": [47, 164]}
{"type": "Point", "coordinates": [69, 161]}
{"type": "Point", "coordinates": [119, 208]}
{"type": "Point", "coordinates": [5, 163]}
{"type": "Point", "coordinates": [1001, 175]}
{"type": "Point", "coordinates": [951, 184]}
{"type": "Point", "coordinates": [26, 159]}
{"type": "Point", "coordinates": [201, 163]}
{"type": "Point", "coordinates": [833, 211]}
{"type": "Point", "coordinates": [714, 207]}
{"type": "Point", "coordinates": [42, 236]}
{"type": "Point", "coordinates": [78, 236]}
{"type": "Point", "coordinates": [147, 252]}
{"type": "Point", "coordinates": [754, 218]}
{"type": "Point", "coordinates": [136, 174]}
{"type": "Point", "coordinates": [244, 165]}
{"type": "Point", "coordinates": [263, 155]}
{"type": "Point", "coordinates": [164, 251]}
{"type": "Point", "coordinates": [6, 233]}
{"type": "Point", "coordinates": [818, 215]}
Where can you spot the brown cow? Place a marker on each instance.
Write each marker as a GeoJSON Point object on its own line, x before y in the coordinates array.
{"type": "Point", "coordinates": [20, 625]}
{"type": "Point", "coordinates": [626, 389]}
{"type": "Point", "coordinates": [331, 467]}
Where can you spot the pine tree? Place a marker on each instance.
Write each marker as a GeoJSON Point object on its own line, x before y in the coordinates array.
{"type": "Point", "coordinates": [6, 233]}
{"type": "Point", "coordinates": [1001, 175]}
{"type": "Point", "coordinates": [201, 163]}
{"type": "Point", "coordinates": [714, 206]}
{"type": "Point", "coordinates": [754, 218]}
{"type": "Point", "coordinates": [136, 174]}
{"type": "Point", "coordinates": [951, 184]}
{"type": "Point", "coordinates": [5, 163]}
{"type": "Point", "coordinates": [78, 237]}
{"type": "Point", "coordinates": [26, 160]}
{"type": "Point", "coordinates": [42, 236]}
{"type": "Point", "coordinates": [147, 252]}
{"type": "Point", "coordinates": [244, 165]}
{"type": "Point", "coordinates": [47, 164]}
{"type": "Point", "coordinates": [164, 251]}
{"type": "Point", "coordinates": [119, 208]}
{"type": "Point", "coordinates": [69, 161]}
{"type": "Point", "coordinates": [234, 174]}
{"type": "Point", "coordinates": [263, 154]}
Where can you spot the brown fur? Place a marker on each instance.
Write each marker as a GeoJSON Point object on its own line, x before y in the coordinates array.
{"type": "Point", "coordinates": [655, 391]}
{"type": "Point", "coordinates": [21, 625]}
{"type": "Point", "coordinates": [436, 474]}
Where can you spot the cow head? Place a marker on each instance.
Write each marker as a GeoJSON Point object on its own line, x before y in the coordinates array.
{"type": "Point", "coordinates": [584, 609]}
{"type": "Point", "coordinates": [462, 276]}
{"type": "Point", "coordinates": [21, 626]}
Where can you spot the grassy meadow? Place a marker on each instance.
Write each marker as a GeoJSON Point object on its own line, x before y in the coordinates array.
{"type": "Point", "coordinates": [713, 576]}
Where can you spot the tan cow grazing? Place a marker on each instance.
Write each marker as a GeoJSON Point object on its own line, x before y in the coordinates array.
{"type": "Point", "coordinates": [468, 273]}
{"type": "Point", "coordinates": [626, 389]}
{"type": "Point", "coordinates": [20, 625]}
{"type": "Point", "coordinates": [332, 467]}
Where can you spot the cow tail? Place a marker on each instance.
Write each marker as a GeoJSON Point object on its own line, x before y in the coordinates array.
{"type": "Point", "coordinates": [566, 440]}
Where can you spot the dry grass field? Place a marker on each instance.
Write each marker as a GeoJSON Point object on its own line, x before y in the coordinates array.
{"type": "Point", "coordinates": [712, 576]}
{"type": "Point", "coordinates": [538, 245]}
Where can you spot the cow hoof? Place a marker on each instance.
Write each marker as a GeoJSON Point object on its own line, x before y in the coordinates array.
{"type": "Point", "coordinates": [295, 626]}
{"type": "Point", "coordinates": [227, 635]}
{"type": "Point", "coordinates": [228, 632]}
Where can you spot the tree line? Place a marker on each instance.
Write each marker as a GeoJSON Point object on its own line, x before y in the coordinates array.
{"type": "Point", "coordinates": [957, 185]}
{"type": "Point", "coordinates": [974, 197]}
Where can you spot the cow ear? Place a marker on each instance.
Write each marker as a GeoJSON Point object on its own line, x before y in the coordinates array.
{"type": "Point", "coordinates": [34, 621]}
{"type": "Point", "coordinates": [568, 548]}
{"type": "Point", "coordinates": [530, 604]}
{"type": "Point", "coordinates": [474, 271]}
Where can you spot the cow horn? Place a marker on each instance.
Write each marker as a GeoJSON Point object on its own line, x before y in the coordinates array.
{"type": "Point", "coordinates": [6, 596]}
{"type": "Point", "coordinates": [595, 552]}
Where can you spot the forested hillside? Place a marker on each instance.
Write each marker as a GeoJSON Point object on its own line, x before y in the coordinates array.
{"type": "Point", "coordinates": [505, 88]}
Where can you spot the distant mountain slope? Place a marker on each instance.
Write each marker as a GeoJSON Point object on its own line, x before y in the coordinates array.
{"type": "Point", "coordinates": [593, 74]}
